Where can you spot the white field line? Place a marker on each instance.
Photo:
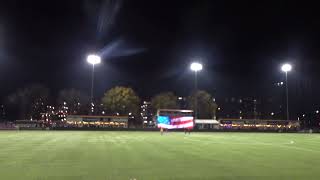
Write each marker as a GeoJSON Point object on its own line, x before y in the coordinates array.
{"type": "Point", "coordinates": [258, 143]}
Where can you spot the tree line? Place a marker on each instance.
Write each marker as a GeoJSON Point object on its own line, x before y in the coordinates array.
{"type": "Point", "coordinates": [29, 102]}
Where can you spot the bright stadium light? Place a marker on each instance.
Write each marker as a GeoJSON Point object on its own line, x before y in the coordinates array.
{"type": "Point", "coordinates": [286, 67]}
{"type": "Point", "coordinates": [93, 59]}
{"type": "Point", "coordinates": [196, 66]}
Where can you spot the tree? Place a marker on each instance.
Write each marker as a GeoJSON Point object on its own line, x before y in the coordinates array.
{"type": "Point", "coordinates": [2, 113]}
{"type": "Point", "coordinates": [31, 101]}
{"type": "Point", "coordinates": [75, 100]}
{"type": "Point", "coordinates": [165, 100]}
{"type": "Point", "coordinates": [206, 107]}
{"type": "Point", "coordinates": [122, 100]}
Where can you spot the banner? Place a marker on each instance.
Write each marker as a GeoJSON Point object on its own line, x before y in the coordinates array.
{"type": "Point", "coordinates": [175, 122]}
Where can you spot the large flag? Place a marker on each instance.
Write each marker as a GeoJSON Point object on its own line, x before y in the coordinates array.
{"type": "Point", "coordinates": [175, 122]}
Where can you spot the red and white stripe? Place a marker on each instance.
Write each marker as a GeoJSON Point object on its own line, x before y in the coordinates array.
{"type": "Point", "coordinates": [178, 123]}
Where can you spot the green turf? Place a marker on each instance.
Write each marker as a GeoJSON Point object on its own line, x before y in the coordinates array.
{"type": "Point", "coordinates": [147, 155]}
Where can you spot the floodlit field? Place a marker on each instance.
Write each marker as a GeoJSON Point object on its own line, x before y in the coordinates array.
{"type": "Point", "coordinates": [41, 155]}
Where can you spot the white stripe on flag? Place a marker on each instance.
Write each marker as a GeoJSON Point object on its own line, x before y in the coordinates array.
{"type": "Point", "coordinates": [181, 119]}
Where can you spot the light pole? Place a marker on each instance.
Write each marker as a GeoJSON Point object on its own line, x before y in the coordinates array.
{"type": "Point", "coordinates": [93, 59]}
{"type": "Point", "coordinates": [195, 66]}
{"type": "Point", "coordinates": [287, 68]}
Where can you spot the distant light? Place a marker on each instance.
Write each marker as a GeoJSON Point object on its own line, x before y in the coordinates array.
{"type": "Point", "coordinates": [196, 66]}
{"type": "Point", "coordinates": [93, 59]}
{"type": "Point", "coordinates": [117, 114]}
{"type": "Point", "coordinates": [303, 115]}
{"type": "Point", "coordinates": [130, 113]}
{"type": "Point", "coordinates": [272, 113]}
{"type": "Point", "coordinates": [317, 111]}
{"type": "Point", "coordinates": [286, 67]}
{"type": "Point", "coordinates": [103, 112]}
{"type": "Point", "coordinates": [281, 83]}
{"type": "Point", "coordinates": [219, 109]}
{"type": "Point", "coordinates": [180, 98]}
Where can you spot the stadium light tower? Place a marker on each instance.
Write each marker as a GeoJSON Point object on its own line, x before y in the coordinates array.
{"type": "Point", "coordinates": [93, 59]}
{"type": "Point", "coordinates": [195, 66]}
{"type": "Point", "coordinates": [287, 68]}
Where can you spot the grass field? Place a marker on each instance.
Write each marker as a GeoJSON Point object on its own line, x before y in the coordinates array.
{"type": "Point", "coordinates": [48, 155]}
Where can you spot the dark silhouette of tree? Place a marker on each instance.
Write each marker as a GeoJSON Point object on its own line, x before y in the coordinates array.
{"type": "Point", "coordinates": [122, 100]}
{"type": "Point", "coordinates": [30, 101]}
{"type": "Point", "coordinates": [165, 100]}
{"type": "Point", "coordinates": [206, 107]}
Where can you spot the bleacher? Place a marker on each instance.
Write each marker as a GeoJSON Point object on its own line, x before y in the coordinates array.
{"type": "Point", "coordinates": [7, 126]}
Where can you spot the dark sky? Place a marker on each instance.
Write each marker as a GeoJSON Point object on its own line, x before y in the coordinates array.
{"type": "Point", "coordinates": [150, 44]}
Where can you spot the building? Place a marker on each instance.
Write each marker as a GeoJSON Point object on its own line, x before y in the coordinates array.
{"type": "Point", "coordinates": [239, 108]}
{"type": "Point", "coordinates": [96, 121]}
{"type": "Point", "coordinates": [310, 120]}
{"type": "Point", "coordinates": [250, 108]}
{"type": "Point", "coordinates": [53, 114]}
{"type": "Point", "coordinates": [207, 124]}
{"type": "Point", "coordinates": [258, 124]}
{"type": "Point", "coordinates": [30, 124]}
{"type": "Point", "coordinates": [146, 114]}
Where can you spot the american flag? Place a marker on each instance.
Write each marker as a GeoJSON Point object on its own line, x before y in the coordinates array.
{"type": "Point", "coordinates": [175, 122]}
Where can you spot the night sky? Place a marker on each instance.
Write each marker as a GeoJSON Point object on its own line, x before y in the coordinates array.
{"type": "Point", "coordinates": [149, 45]}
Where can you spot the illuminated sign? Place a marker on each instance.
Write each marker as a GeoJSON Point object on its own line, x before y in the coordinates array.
{"type": "Point", "coordinates": [175, 122]}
